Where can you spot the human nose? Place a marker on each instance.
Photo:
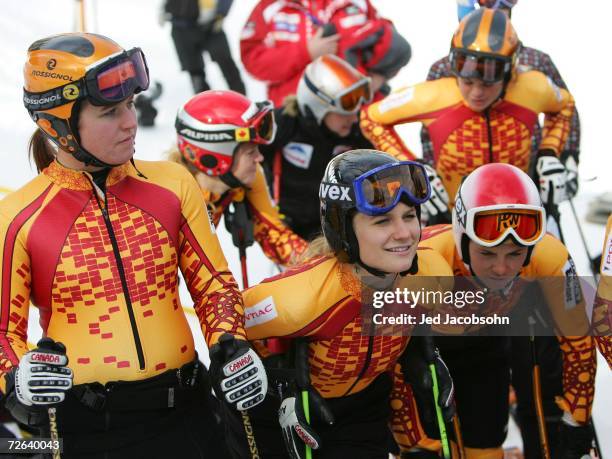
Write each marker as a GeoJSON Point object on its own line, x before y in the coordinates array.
{"type": "Point", "coordinates": [500, 267]}
{"type": "Point", "coordinates": [401, 231]}
{"type": "Point", "coordinates": [129, 119]}
{"type": "Point", "coordinates": [258, 157]}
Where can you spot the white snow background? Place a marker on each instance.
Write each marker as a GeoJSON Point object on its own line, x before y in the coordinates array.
{"type": "Point", "coordinates": [573, 33]}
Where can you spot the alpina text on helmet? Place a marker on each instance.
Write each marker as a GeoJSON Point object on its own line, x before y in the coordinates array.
{"type": "Point", "coordinates": [210, 136]}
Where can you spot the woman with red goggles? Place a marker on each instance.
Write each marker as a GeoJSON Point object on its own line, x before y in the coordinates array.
{"type": "Point", "coordinates": [313, 127]}
{"type": "Point", "coordinates": [95, 243]}
{"type": "Point", "coordinates": [219, 135]}
{"type": "Point", "coordinates": [484, 113]}
{"type": "Point", "coordinates": [498, 244]}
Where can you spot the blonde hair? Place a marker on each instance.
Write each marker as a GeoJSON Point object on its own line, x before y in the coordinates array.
{"type": "Point", "coordinates": [174, 155]}
{"type": "Point", "coordinates": [318, 247]}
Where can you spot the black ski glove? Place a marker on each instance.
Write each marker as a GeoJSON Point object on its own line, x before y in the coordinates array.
{"type": "Point", "coordinates": [415, 361]}
{"type": "Point", "coordinates": [39, 381]}
{"type": "Point", "coordinates": [237, 372]}
{"type": "Point", "coordinates": [575, 441]}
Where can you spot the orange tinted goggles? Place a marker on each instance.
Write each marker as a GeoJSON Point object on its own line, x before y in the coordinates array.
{"type": "Point", "coordinates": [494, 225]}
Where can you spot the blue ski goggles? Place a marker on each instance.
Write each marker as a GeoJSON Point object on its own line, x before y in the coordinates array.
{"type": "Point", "coordinates": [379, 190]}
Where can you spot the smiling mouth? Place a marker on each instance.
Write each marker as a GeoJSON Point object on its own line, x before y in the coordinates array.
{"type": "Point", "coordinates": [402, 249]}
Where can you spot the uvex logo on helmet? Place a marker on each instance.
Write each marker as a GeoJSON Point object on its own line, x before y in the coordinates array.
{"type": "Point", "coordinates": [241, 363]}
{"type": "Point", "coordinates": [334, 192]}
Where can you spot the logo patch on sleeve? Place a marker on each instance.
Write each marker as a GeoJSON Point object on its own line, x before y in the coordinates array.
{"type": "Point", "coordinates": [606, 257]}
{"type": "Point", "coordinates": [395, 100]}
{"type": "Point", "coordinates": [573, 292]}
{"type": "Point", "coordinates": [298, 154]}
{"type": "Point", "coordinates": [260, 313]}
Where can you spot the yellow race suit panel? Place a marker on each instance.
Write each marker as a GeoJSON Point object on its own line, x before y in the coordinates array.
{"type": "Point", "coordinates": [602, 309]}
{"type": "Point", "coordinates": [550, 259]}
{"type": "Point", "coordinates": [102, 268]}
{"type": "Point", "coordinates": [321, 299]}
{"type": "Point", "coordinates": [464, 139]}
{"type": "Point", "coordinates": [278, 242]}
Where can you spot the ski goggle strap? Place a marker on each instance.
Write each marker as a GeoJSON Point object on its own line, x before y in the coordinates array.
{"type": "Point", "coordinates": [106, 82]}
{"type": "Point", "coordinates": [262, 129]}
{"type": "Point", "coordinates": [485, 67]}
{"type": "Point", "coordinates": [348, 101]}
{"type": "Point", "coordinates": [379, 190]}
{"type": "Point", "coordinates": [489, 226]}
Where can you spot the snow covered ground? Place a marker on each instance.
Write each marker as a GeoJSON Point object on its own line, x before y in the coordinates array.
{"type": "Point", "coordinates": [571, 34]}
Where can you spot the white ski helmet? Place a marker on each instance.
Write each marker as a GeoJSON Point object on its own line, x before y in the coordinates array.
{"type": "Point", "coordinates": [330, 84]}
{"type": "Point", "coordinates": [494, 202]}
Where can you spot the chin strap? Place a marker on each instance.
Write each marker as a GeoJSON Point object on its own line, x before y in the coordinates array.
{"type": "Point", "coordinates": [232, 181]}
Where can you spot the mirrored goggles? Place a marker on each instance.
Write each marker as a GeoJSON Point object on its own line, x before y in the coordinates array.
{"type": "Point", "coordinates": [106, 82]}
{"type": "Point", "coordinates": [485, 67]}
{"type": "Point", "coordinates": [262, 129]}
{"type": "Point", "coordinates": [379, 190]}
{"type": "Point", "coordinates": [491, 225]}
{"type": "Point", "coordinates": [348, 101]}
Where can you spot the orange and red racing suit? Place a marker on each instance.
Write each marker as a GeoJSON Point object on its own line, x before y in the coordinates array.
{"type": "Point", "coordinates": [464, 139]}
{"type": "Point", "coordinates": [549, 259]}
{"type": "Point", "coordinates": [343, 359]}
{"type": "Point", "coordinates": [102, 268]}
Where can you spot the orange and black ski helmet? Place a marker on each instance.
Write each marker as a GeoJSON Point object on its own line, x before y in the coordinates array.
{"type": "Point", "coordinates": [484, 46]}
{"type": "Point", "coordinates": [63, 70]}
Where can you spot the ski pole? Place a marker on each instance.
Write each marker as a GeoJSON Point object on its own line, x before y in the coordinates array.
{"type": "Point", "coordinates": [307, 415]}
{"type": "Point", "coordinates": [53, 431]}
{"type": "Point", "coordinates": [430, 355]}
{"type": "Point", "coordinates": [459, 437]}
{"type": "Point", "coordinates": [537, 391]}
{"type": "Point", "coordinates": [581, 233]}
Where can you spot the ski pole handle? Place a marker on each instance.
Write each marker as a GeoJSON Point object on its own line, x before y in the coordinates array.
{"type": "Point", "coordinates": [307, 415]}
{"type": "Point", "coordinates": [430, 356]}
{"type": "Point", "coordinates": [441, 424]}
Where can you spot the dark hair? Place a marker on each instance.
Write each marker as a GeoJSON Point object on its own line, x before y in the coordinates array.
{"type": "Point", "coordinates": [40, 150]}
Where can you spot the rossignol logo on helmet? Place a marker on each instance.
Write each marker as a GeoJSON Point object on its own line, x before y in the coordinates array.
{"type": "Point", "coordinates": [56, 76]}
{"type": "Point", "coordinates": [70, 92]}
{"type": "Point", "coordinates": [51, 63]}
{"type": "Point", "coordinates": [334, 192]}
{"type": "Point", "coordinates": [209, 136]}
{"type": "Point", "coordinates": [42, 100]}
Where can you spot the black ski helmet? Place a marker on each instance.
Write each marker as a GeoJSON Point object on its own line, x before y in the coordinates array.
{"type": "Point", "coordinates": [337, 215]}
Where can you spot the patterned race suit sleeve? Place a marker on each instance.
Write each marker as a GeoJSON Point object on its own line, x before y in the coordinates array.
{"type": "Point", "coordinates": [217, 300]}
{"type": "Point", "coordinates": [277, 241]}
{"type": "Point", "coordinates": [551, 261]}
{"type": "Point", "coordinates": [602, 309]}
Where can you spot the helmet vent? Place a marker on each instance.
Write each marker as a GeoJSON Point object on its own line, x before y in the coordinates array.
{"type": "Point", "coordinates": [498, 31]}
{"type": "Point", "coordinates": [471, 28]}
{"type": "Point", "coordinates": [77, 45]}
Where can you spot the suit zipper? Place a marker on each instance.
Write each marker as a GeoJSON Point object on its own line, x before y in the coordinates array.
{"type": "Point", "coordinates": [121, 269]}
{"type": "Point", "coordinates": [489, 134]}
